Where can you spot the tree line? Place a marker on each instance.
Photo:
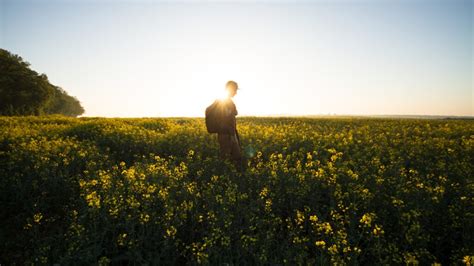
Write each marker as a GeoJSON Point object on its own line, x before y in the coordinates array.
{"type": "Point", "coordinates": [24, 91]}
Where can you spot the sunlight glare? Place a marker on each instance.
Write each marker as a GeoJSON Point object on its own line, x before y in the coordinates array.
{"type": "Point", "coordinates": [222, 95]}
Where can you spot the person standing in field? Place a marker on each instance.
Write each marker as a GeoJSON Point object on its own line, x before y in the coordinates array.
{"type": "Point", "coordinates": [220, 119]}
{"type": "Point", "coordinates": [229, 141]}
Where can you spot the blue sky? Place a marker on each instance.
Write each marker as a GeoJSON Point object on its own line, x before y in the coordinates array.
{"type": "Point", "coordinates": [170, 58]}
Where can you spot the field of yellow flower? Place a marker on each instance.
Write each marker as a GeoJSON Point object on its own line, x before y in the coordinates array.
{"type": "Point", "coordinates": [315, 191]}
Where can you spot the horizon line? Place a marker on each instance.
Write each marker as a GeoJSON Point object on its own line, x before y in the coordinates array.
{"type": "Point", "coordinates": [305, 116]}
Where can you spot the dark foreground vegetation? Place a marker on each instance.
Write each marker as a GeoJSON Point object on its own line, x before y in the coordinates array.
{"type": "Point", "coordinates": [315, 191]}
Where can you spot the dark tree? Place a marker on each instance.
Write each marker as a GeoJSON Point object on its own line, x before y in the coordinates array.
{"type": "Point", "coordinates": [23, 91]}
{"type": "Point", "coordinates": [61, 103]}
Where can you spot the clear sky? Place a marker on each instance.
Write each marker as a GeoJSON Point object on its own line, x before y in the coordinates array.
{"type": "Point", "coordinates": [167, 58]}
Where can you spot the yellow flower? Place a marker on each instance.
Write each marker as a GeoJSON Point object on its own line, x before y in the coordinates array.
{"type": "Point", "coordinates": [468, 260]}
{"type": "Point", "coordinates": [410, 259]}
{"type": "Point", "coordinates": [163, 193]}
{"type": "Point", "coordinates": [171, 232]}
{"type": "Point", "coordinates": [264, 192]}
{"type": "Point", "coordinates": [37, 217]}
{"type": "Point", "coordinates": [121, 239]}
{"type": "Point", "coordinates": [320, 243]}
{"type": "Point", "coordinates": [144, 218]}
{"type": "Point", "coordinates": [366, 219]}
{"type": "Point", "coordinates": [93, 200]}
{"type": "Point", "coordinates": [113, 211]}
{"type": "Point", "coordinates": [325, 227]}
{"type": "Point", "coordinates": [268, 205]}
{"type": "Point", "coordinates": [299, 217]}
{"type": "Point", "coordinates": [378, 230]}
{"type": "Point", "coordinates": [333, 249]}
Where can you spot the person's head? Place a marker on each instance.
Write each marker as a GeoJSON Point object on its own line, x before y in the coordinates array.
{"type": "Point", "coordinates": [231, 87]}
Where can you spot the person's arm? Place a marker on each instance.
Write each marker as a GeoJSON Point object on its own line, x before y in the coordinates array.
{"type": "Point", "coordinates": [232, 124]}
{"type": "Point", "coordinates": [230, 121]}
{"type": "Point", "coordinates": [237, 136]}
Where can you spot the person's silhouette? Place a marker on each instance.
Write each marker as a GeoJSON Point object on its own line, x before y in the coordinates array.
{"type": "Point", "coordinates": [229, 142]}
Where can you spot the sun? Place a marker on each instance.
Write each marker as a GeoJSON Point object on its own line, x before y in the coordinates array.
{"type": "Point", "coordinates": [221, 94]}
{"type": "Point", "coordinates": [197, 87]}
{"type": "Point", "coordinates": [191, 98]}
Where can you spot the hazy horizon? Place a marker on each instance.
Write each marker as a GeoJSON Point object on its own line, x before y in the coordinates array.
{"type": "Point", "coordinates": [301, 58]}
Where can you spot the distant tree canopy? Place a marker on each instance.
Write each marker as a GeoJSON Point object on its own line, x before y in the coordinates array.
{"type": "Point", "coordinates": [23, 91]}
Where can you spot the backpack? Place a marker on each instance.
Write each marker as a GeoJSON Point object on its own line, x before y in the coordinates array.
{"type": "Point", "coordinates": [215, 117]}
